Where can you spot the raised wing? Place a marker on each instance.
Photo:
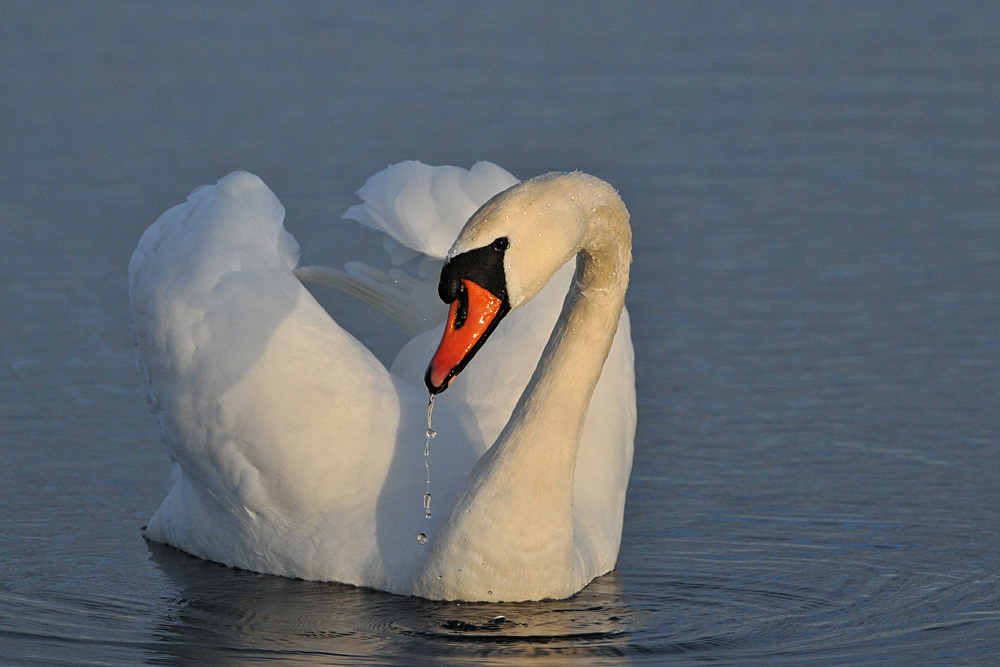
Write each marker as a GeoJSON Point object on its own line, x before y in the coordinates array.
{"type": "Point", "coordinates": [277, 418]}
{"type": "Point", "coordinates": [423, 208]}
{"type": "Point", "coordinates": [420, 209]}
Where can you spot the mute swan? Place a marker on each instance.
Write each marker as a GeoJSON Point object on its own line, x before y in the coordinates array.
{"type": "Point", "coordinates": [297, 453]}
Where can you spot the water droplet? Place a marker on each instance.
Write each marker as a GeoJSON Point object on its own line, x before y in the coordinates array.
{"type": "Point", "coordinates": [422, 538]}
{"type": "Point", "coordinates": [489, 592]}
{"type": "Point", "coordinates": [430, 433]}
{"type": "Point", "coordinates": [460, 572]}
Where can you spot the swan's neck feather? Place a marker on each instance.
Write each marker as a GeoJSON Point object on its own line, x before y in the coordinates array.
{"type": "Point", "coordinates": [510, 533]}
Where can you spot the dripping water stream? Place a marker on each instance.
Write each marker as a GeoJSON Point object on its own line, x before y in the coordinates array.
{"type": "Point", "coordinates": [422, 538]}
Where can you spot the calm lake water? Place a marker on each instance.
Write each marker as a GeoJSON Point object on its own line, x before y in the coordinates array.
{"type": "Point", "coordinates": [814, 190]}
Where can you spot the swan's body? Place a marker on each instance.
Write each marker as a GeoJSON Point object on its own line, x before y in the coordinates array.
{"type": "Point", "coordinates": [299, 454]}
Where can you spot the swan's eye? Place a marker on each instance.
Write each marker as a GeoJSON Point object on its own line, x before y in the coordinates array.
{"type": "Point", "coordinates": [483, 266]}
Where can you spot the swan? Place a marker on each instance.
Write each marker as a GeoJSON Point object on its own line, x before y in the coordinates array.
{"type": "Point", "coordinates": [297, 453]}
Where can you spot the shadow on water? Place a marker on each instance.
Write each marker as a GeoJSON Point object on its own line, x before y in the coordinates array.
{"type": "Point", "coordinates": [226, 616]}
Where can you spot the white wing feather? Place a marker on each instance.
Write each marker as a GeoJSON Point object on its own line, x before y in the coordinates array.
{"type": "Point", "coordinates": [412, 304]}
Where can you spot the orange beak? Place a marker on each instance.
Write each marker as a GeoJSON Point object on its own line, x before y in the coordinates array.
{"type": "Point", "coordinates": [472, 317]}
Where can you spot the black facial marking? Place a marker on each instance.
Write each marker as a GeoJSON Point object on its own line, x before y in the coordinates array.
{"type": "Point", "coordinates": [483, 266]}
{"type": "Point", "coordinates": [462, 311]}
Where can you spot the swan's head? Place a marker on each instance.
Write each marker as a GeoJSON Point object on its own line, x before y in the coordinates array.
{"type": "Point", "coordinates": [503, 257]}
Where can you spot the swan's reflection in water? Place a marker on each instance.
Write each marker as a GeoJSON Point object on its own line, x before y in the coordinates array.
{"type": "Point", "coordinates": [224, 616]}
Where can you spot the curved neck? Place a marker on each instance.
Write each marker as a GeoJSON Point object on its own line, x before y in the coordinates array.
{"type": "Point", "coordinates": [516, 507]}
{"type": "Point", "coordinates": [557, 397]}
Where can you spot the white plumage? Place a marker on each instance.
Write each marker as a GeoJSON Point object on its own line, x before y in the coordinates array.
{"type": "Point", "coordinates": [297, 452]}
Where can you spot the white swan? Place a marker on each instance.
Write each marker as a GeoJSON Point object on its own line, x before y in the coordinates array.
{"type": "Point", "coordinates": [297, 453]}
